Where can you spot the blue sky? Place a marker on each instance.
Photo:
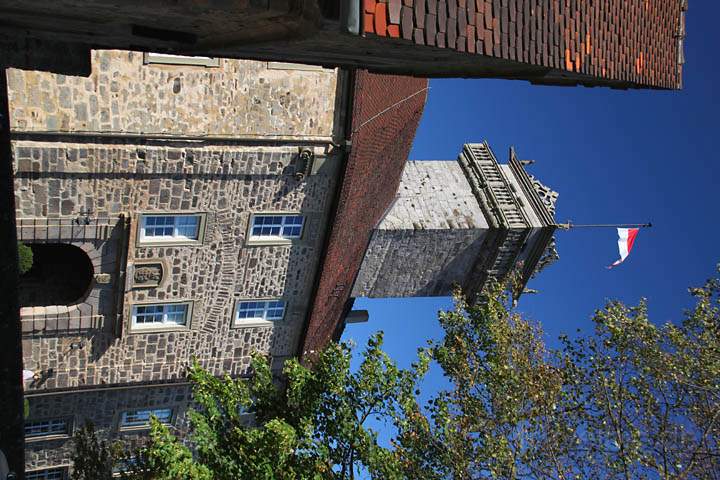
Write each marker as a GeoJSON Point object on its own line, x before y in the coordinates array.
{"type": "Point", "coordinates": [614, 156]}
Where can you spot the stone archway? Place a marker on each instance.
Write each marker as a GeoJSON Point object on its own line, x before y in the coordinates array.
{"type": "Point", "coordinates": [62, 274]}
{"type": "Point", "coordinates": [91, 253]}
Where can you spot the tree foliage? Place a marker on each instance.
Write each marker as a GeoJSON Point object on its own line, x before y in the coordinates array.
{"type": "Point", "coordinates": [312, 427]}
{"type": "Point", "coordinates": [25, 258]}
{"type": "Point", "coordinates": [94, 459]}
{"type": "Point", "coordinates": [634, 400]}
{"type": "Point", "coordinates": [631, 400]}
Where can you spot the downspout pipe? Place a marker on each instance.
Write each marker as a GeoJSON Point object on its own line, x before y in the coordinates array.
{"type": "Point", "coordinates": [350, 16]}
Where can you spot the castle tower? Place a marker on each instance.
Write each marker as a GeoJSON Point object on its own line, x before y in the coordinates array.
{"type": "Point", "coordinates": [459, 223]}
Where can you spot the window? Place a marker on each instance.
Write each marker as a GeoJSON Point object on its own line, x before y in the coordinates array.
{"type": "Point", "coordinates": [47, 474]}
{"type": "Point", "coordinates": [170, 228]}
{"type": "Point", "coordinates": [42, 428]}
{"type": "Point", "coordinates": [141, 418]}
{"type": "Point", "coordinates": [170, 59]}
{"type": "Point", "coordinates": [160, 315]}
{"type": "Point", "coordinates": [249, 311]}
{"type": "Point", "coordinates": [276, 227]}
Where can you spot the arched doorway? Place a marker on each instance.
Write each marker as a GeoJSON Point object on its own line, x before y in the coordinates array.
{"type": "Point", "coordinates": [61, 274]}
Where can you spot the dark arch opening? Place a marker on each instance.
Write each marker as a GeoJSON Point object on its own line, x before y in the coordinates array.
{"type": "Point", "coordinates": [61, 274]}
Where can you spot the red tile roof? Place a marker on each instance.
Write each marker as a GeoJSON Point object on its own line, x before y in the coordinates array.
{"type": "Point", "coordinates": [385, 115]}
{"type": "Point", "coordinates": [626, 43]}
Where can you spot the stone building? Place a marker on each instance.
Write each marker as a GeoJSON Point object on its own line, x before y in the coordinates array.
{"type": "Point", "coordinates": [110, 138]}
{"type": "Point", "coordinates": [177, 208]}
{"type": "Point", "coordinates": [194, 207]}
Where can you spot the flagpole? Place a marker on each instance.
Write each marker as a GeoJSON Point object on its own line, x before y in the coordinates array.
{"type": "Point", "coordinates": [569, 225]}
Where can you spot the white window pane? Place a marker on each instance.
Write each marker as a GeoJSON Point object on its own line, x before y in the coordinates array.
{"type": "Point", "coordinates": [141, 418]}
{"type": "Point", "coordinates": [160, 314]}
{"type": "Point", "coordinates": [260, 310]}
{"type": "Point", "coordinates": [283, 226]}
{"type": "Point", "coordinates": [171, 227]}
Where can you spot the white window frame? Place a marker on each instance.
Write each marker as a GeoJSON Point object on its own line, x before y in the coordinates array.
{"type": "Point", "coordinates": [165, 324]}
{"type": "Point", "coordinates": [124, 425]}
{"type": "Point", "coordinates": [150, 58]}
{"type": "Point", "coordinates": [261, 305]}
{"type": "Point", "coordinates": [281, 239]}
{"type": "Point", "coordinates": [174, 239]}
{"type": "Point", "coordinates": [50, 434]}
{"type": "Point", "coordinates": [41, 474]}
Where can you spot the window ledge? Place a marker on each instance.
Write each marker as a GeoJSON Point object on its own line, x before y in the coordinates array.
{"type": "Point", "coordinates": [169, 243]}
{"type": "Point", "coordinates": [47, 438]}
{"type": "Point", "coordinates": [270, 242]}
{"type": "Point", "coordinates": [255, 324]}
{"type": "Point", "coordinates": [151, 58]}
{"type": "Point", "coordinates": [140, 428]}
{"type": "Point", "coordinates": [158, 329]}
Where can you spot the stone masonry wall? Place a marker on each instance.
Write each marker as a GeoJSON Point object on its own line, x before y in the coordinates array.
{"type": "Point", "coordinates": [434, 195]}
{"type": "Point", "coordinates": [430, 237]}
{"type": "Point", "coordinates": [123, 95]}
{"type": "Point", "coordinates": [225, 182]}
{"type": "Point", "coordinates": [133, 138]}
{"type": "Point", "coordinates": [104, 408]}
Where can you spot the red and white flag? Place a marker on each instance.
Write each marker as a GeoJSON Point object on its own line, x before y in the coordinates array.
{"type": "Point", "coordinates": [625, 243]}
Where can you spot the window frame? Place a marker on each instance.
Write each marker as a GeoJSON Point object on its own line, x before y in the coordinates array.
{"type": "Point", "coordinates": [144, 241]}
{"type": "Point", "coordinates": [64, 470]}
{"type": "Point", "coordinates": [160, 327]}
{"type": "Point", "coordinates": [69, 427]}
{"type": "Point", "coordinates": [145, 426]}
{"type": "Point", "coordinates": [274, 239]}
{"type": "Point", "coordinates": [258, 321]}
{"type": "Point", "coordinates": [155, 58]}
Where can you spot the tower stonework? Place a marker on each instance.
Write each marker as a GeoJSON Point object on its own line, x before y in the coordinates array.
{"type": "Point", "coordinates": [458, 223]}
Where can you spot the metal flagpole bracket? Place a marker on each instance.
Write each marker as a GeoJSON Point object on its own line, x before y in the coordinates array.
{"type": "Point", "coordinates": [568, 225]}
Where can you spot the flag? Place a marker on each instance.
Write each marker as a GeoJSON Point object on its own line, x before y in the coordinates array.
{"type": "Point", "coordinates": [625, 243]}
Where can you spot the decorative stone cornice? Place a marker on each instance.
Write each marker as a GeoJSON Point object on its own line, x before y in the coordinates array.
{"type": "Point", "coordinates": [491, 188]}
{"type": "Point", "coordinates": [542, 199]}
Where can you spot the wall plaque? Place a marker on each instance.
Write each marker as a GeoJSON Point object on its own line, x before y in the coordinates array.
{"type": "Point", "coordinates": [148, 275]}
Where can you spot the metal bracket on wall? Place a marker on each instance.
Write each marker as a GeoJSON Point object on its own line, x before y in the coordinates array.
{"type": "Point", "coordinates": [304, 164]}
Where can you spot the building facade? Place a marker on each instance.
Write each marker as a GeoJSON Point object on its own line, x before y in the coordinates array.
{"type": "Point", "coordinates": [192, 208]}
{"type": "Point", "coordinates": [177, 209]}
{"type": "Point", "coordinates": [148, 175]}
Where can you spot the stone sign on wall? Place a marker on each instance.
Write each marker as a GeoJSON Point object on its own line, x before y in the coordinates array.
{"type": "Point", "coordinates": [147, 275]}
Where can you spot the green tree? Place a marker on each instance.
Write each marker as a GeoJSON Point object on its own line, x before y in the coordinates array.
{"type": "Point", "coordinates": [313, 426]}
{"type": "Point", "coordinates": [633, 400]}
{"type": "Point", "coordinates": [630, 400]}
{"type": "Point", "coordinates": [93, 459]}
